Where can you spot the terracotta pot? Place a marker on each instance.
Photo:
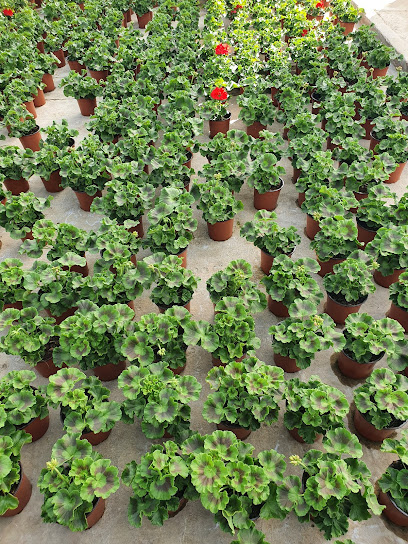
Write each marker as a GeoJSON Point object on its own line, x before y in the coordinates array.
{"type": "Point", "coordinates": [95, 438]}
{"type": "Point", "coordinates": [28, 236]}
{"type": "Point", "coordinates": [189, 157]}
{"type": "Point", "coordinates": [76, 66]}
{"type": "Point", "coordinates": [221, 231]}
{"type": "Point", "coordinates": [315, 100]}
{"type": "Point", "coordinates": [17, 186]}
{"type": "Point", "coordinates": [392, 511]}
{"type": "Point", "coordinates": [61, 57]}
{"type": "Point", "coordinates": [86, 200]}
{"type": "Point", "coordinates": [254, 129]}
{"type": "Point", "coordinates": [326, 267]}
{"type": "Point", "coordinates": [29, 106]}
{"type": "Point", "coordinates": [386, 281]}
{"type": "Point", "coordinates": [40, 46]}
{"type": "Point", "coordinates": [17, 305]}
{"type": "Point", "coordinates": [220, 126]}
{"type": "Point", "coordinates": [179, 369]}
{"type": "Point", "coordinates": [300, 199]}
{"type": "Point", "coordinates": [287, 363]}
{"type": "Point", "coordinates": [297, 172]}
{"type": "Point", "coordinates": [96, 514]}
{"type": "Point", "coordinates": [139, 228]}
{"type": "Point", "coordinates": [295, 434]}
{"type": "Point", "coordinates": [87, 106]}
{"type": "Point", "coordinates": [48, 81]}
{"type": "Point", "coordinates": [142, 20]}
{"type": "Point", "coordinates": [53, 184]}
{"type": "Point", "coordinates": [359, 197]}
{"type": "Point", "coordinates": [365, 235]}
{"type": "Point", "coordinates": [339, 312]}
{"type": "Point", "coordinates": [239, 432]}
{"type": "Point", "coordinates": [23, 494]}
{"type": "Point", "coordinates": [399, 314]}
{"type": "Point", "coordinates": [368, 127]}
{"type": "Point", "coordinates": [183, 255]}
{"type": "Point", "coordinates": [373, 141]}
{"type": "Point", "coordinates": [352, 369]}
{"type": "Point", "coordinates": [267, 261]}
{"type": "Point", "coordinates": [37, 427]}
{"type": "Point", "coordinates": [274, 92]}
{"type": "Point", "coordinates": [83, 270]}
{"type": "Point", "coordinates": [277, 307]}
{"type": "Point", "coordinates": [60, 318]}
{"type": "Point", "coordinates": [162, 309]}
{"type": "Point", "coordinates": [285, 133]}
{"type": "Point", "coordinates": [46, 368]}
{"type": "Point", "coordinates": [312, 227]}
{"type": "Point", "coordinates": [395, 176]}
{"type": "Point", "coordinates": [267, 201]}
{"type": "Point", "coordinates": [99, 74]}
{"type": "Point", "coordinates": [31, 141]}
{"type": "Point", "coordinates": [347, 27]}
{"type": "Point", "coordinates": [368, 431]}
{"type": "Point", "coordinates": [182, 505]}
{"type": "Point", "coordinates": [110, 371]}
{"type": "Point", "coordinates": [39, 99]}
{"type": "Point", "coordinates": [380, 72]}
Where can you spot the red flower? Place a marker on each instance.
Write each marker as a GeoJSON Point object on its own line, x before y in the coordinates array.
{"type": "Point", "coordinates": [222, 49]}
{"type": "Point", "coordinates": [304, 32]}
{"type": "Point", "coordinates": [8, 12]}
{"type": "Point", "coordinates": [238, 6]}
{"type": "Point", "coordinates": [320, 5]}
{"type": "Point", "coordinates": [219, 94]}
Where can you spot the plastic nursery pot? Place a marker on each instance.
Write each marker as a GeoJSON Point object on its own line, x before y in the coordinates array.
{"type": "Point", "coordinates": [95, 438]}
{"type": "Point", "coordinates": [86, 200]}
{"type": "Point", "coordinates": [53, 184]}
{"type": "Point", "coordinates": [46, 368]}
{"type": "Point", "coordinates": [32, 141]}
{"type": "Point", "coordinates": [37, 427]}
{"type": "Point", "coordinates": [22, 493]}
{"type": "Point", "coordinates": [267, 261]}
{"type": "Point", "coordinates": [254, 129]}
{"type": "Point", "coordinates": [395, 176]}
{"type": "Point", "coordinates": [347, 27]}
{"type": "Point", "coordinates": [392, 512]}
{"type": "Point", "coordinates": [61, 57]}
{"type": "Point", "coordinates": [358, 196]}
{"type": "Point", "coordinates": [109, 372]}
{"type": "Point", "coordinates": [17, 305]}
{"type": "Point", "coordinates": [274, 92]}
{"type": "Point", "coordinates": [300, 199]}
{"type": "Point", "coordinates": [39, 98]}
{"type": "Point", "coordinates": [368, 127]}
{"type": "Point", "coordinates": [84, 270]}
{"type": "Point", "coordinates": [352, 369]}
{"type": "Point", "coordinates": [373, 141]}
{"type": "Point", "coordinates": [99, 74]}
{"type": "Point", "coordinates": [380, 72]}
{"type": "Point", "coordinates": [96, 514]}
{"type": "Point", "coordinates": [240, 432]}
{"type": "Point", "coordinates": [76, 66]}
{"type": "Point", "coordinates": [296, 174]}
{"type": "Point", "coordinates": [28, 236]}
{"type": "Point", "coordinates": [315, 99]}
{"type": "Point", "coordinates": [269, 200]}
{"type": "Point", "coordinates": [182, 505]}
{"type": "Point", "coordinates": [277, 307]}
{"type": "Point", "coordinates": [48, 81]}
{"type": "Point", "coordinates": [338, 311]}
{"type": "Point", "coordinates": [179, 369]}
{"type": "Point", "coordinates": [221, 231]}
{"type": "Point", "coordinates": [368, 431]}
{"type": "Point", "coordinates": [295, 434]}
{"type": "Point", "coordinates": [386, 281]}
{"type": "Point", "coordinates": [60, 318]}
{"type": "Point", "coordinates": [287, 363]}
{"type": "Point", "coordinates": [399, 314]}
{"type": "Point", "coordinates": [326, 267]}
{"type": "Point", "coordinates": [312, 227]}
{"type": "Point", "coordinates": [365, 234]}
{"type": "Point", "coordinates": [139, 228]}
{"type": "Point", "coordinates": [142, 20]}
{"type": "Point", "coordinates": [29, 106]}
{"type": "Point", "coordinates": [220, 126]}
{"type": "Point", "coordinates": [183, 256]}
{"type": "Point", "coordinates": [17, 186]}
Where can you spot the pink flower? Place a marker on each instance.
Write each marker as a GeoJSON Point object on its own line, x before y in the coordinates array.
{"type": "Point", "coordinates": [219, 93]}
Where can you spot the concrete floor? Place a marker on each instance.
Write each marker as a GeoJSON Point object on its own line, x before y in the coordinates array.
{"type": "Point", "coordinates": [194, 525]}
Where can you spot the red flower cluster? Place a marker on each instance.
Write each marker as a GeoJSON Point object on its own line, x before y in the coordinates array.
{"type": "Point", "coordinates": [237, 7]}
{"type": "Point", "coordinates": [320, 5]}
{"type": "Point", "coordinates": [222, 49]}
{"type": "Point", "coordinates": [8, 12]}
{"type": "Point", "coordinates": [219, 93]}
{"type": "Point", "coordinates": [304, 32]}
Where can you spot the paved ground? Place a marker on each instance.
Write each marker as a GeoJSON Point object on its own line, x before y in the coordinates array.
{"type": "Point", "coordinates": [193, 525]}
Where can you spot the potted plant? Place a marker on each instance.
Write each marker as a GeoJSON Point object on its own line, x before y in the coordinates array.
{"type": "Point", "coordinates": [142, 8]}
{"type": "Point", "coordinates": [312, 409]}
{"type": "Point", "coordinates": [12, 287]}
{"type": "Point", "coordinates": [246, 394]}
{"type": "Point", "coordinates": [16, 487]}
{"type": "Point", "coordinates": [159, 398]}
{"type": "Point", "coordinates": [399, 301]}
{"type": "Point", "coordinates": [264, 232]}
{"type": "Point", "coordinates": [363, 175]}
{"type": "Point", "coordinates": [75, 484]}
{"type": "Point", "coordinates": [12, 162]}
{"type": "Point", "coordinates": [60, 135]}
{"type": "Point", "coordinates": [97, 333]}
{"type": "Point", "coordinates": [265, 178]}
{"type": "Point", "coordinates": [297, 339]}
{"type": "Point", "coordinates": [331, 506]}
{"type": "Point", "coordinates": [256, 111]}
{"type": "Point", "coordinates": [234, 281]}
{"type": "Point", "coordinates": [289, 281]}
{"type": "Point", "coordinates": [233, 141]}
{"type": "Point", "coordinates": [388, 249]}
{"type": "Point", "coordinates": [23, 126]}
{"type": "Point", "coordinates": [393, 489]}
{"type": "Point", "coordinates": [84, 404]}
{"type": "Point", "coordinates": [396, 145]}
{"type": "Point", "coordinates": [29, 336]}
{"type": "Point", "coordinates": [381, 404]}
{"type": "Point", "coordinates": [214, 109]}
{"type": "Point", "coordinates": [99, 57]}
{"type": "Point", "coordinates": [348, 286]}
{"type": "Point", "coordinates": [84, 89]}
{"type": "Point", "coordinates": [367, 341]}
{"type": "Point", "coordinates": [229, 168]}
{"type": "Point", "coordinates": [219, 208]}
{"type": "Point", "coordinates": [346, 14]}
{"type": "Point", "coordinates": [19, 213]}
{"type": "Point", "coordinates": [379, 59]}
{"type": "Point", "coordinates": [23, 406]}
{"type": "Point", "coordinates": [375, 211]}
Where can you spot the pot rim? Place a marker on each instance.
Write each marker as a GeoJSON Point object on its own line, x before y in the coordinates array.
{"type": "Point", "coordinates": [377, 358]}
{"type": "Point", "coordinates": [348, 305]}
{"type": "Point", "coordinates": [385, 428]}
{"type": "Point", "coordinates": [282, 183]}
{"type": "Point", "coordinates": [389, 494]}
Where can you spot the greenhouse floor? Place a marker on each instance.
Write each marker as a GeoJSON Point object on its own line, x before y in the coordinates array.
{"type": "Point", "coordinates": [193, 525]}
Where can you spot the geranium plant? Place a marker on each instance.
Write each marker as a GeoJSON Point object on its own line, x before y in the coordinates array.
{"type": "Point", "coordinates": [389, 248]}
{"type": "Point", "coordinates": [266, 173]}
{"type": "Point", "coordinates": [19, 213]}
{"type": "Point", "coordinates": [215, 107]}
{"type": "Point", "coordinates": [216, 201]}
{"type": "Point", "coordinates": [12, 289]}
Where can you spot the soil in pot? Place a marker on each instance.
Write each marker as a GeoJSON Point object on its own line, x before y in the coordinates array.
{"type": "Point", "coordinates": [386, 281]}
{"type": "Point", "coordinates": [287, 363]}
{"type": "Point", "coordinates": [239, 432]}
{"type": "Point", "coordinates": [53, 184]}
{"type": "Point", "coordinates": [269, 200]}
{"type": "Point", "coordinates": [23, 493]}
{"type": "Point", "coordinates": [393, 512]}
{"type": "Point", "coordinates": [85, 200]}
{"type": "Point", "coordinates": [277, 307]}
{"type": "Point", "coordinates": [109, 372]}
{"type": "Point", "coordinates": [368, 431]}
{"type": "Point", "coordinates": [294, 433]}
{"type": "Point", "coordinates": [32, 141]}
{"type": "Point", "coordinates": [399, 314]}
{"type": "Point", "coordinates": [254, 129]}
{"type": "Point", "coordinates": [36, 427]}
{"type": "Point", "coordinates": [220, 126]}
{"type": "Point", "coordinates": [352, 369]}
{"type": "Point", "coordinates": [17, 186]}
{"type": "Point", "coordinates": [338, 309]}
{"type": "Point", "coordinates": [221, 231]}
